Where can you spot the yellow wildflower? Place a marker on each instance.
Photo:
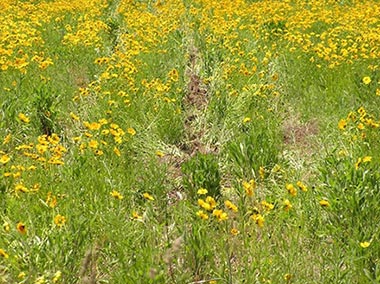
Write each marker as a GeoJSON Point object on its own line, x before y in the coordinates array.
{"type": "Point", "coordinates": [7, 139]}
{"type": "Point", "coordinates": [160, 154]}
{"type": "Point", "coordinates": [267, 205]}
{"type": "Point", "coordinates": [202, 191]}
{"type": "Point", "coordinates": [93, 144]}
{"type": "Point", "coordinates": [3, 253]}
{"type": "Point", "coordinates": [131, 131]}
{"type": "Point", "coordinates": [23, 117]}
{"type": "Point", "coordinates": [74, 116]}
{"type": "Point", "coordinates": [361, 126]}
{"type": "Point", "coordinates": [367, 159]}
{"type": "Point", "coordinates": [287, 205]}
{"type": "Point", "coordinates": [246, 119]}
{"type": "Point", "coordinates": [21, 228]}
{"type": "Point", "coordinates": [59, 220]}
{"type": "Point", "coordinates": [57, 276]}
{"type": "Point", "coordinates": [366, 80]}
{"type": "Point", "coordinates": [202, 215]}
{"type": "Point", "coordinates": [358, 162]}
{"type": "Point", "coordinates": [324, 203]}
{"type": "Point", "coordinates": [220, 215]}
{"type": "Point", "coordinates": [342, 124]}
{"type": "Point", "coordinates": [21, 187]}
{"type": "Point", "coordinates": [287, 277]}
{"type": "Point", "coordinates": [259, 219]}
{"type": "Point", "coordinates": [136, 215]}
{"type": "Point", "coordinates": [365, 244]}
{"type": "Point", "coordinates": [116, 195]}
{"type": "Point", "coordinates": [4, 159]}
{"type": "Point", "coordinates": [210, 200]}
{"type": "Point", "coordinates": [147, 196]}
{"type": "Point", "coordinates": [249, 187]}
{"type": "Point", "coordinates": [40, 280]}
{"type": "Point", "coordinates": [302, 186]}
{"type": "Point", "coordinates": [117, 151]}
{"type": "Point", "coordinates": [92, 125]}
{"type": "Point", "coordinates": [234, 231]}
{"type": "Point", "coordinates": [6, 226]}
{"type": "Point", "coordinates": [262, 172]}
{"type": "Point", "coordinates": [231, 206]}
{"type": "Point", "coordinates": [204, 205]}
{"type": "Point", "coordinates": [291, 189]}
{"type": "Point", "coordinates": [173, 75]}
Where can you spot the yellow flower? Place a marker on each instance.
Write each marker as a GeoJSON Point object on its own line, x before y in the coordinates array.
{"type": "Point", "coordinates": [59, 220]}
{"type": "Point", "coordinates": [3, 253]}
{"type": "Point", "coordinates": [365, 244]}
{"type": "Point", "coordinates": [74, 116]}
{"type": "Point", "coordinates": [93, 144]}
{"type": "Point", "coordinates": [7, 139]}
{"type": "Point", "coordinates": [234, 231]}
{"type": "Point", "coordinates": [204, 205]}
{"type": "Point", "coordinates": [210, 200]}
{"type": "Point", "coordinates": [358, 163]}
{"type": "Point", "coordinates": [231, 206]}
{"type": "Point", "coordinates": [342, 124]}
{"type": "Point", "coordinates": [324, 203]}
{"type": "Point", "coordinates": [40, 280]}
{"type": "Point", "coordinates": [202, 215]}
{"type": "Point", "coordinates": [218, 213]}
{"type": "Point", "coordinates": [259, 219]}
{"type": "Point", "coordinates": [288, 277]}
{"type": "Point", "coordinates": [6, 226]}
{"type": "Point", "coordinates": [23, 117]}
{"type": "Point", "coordinates": [4, 159]}
{"type": "Point", "coordinates": [267, 205]}
{"type": "Point", "coordinates": [51, 200]}
{"type": "Point", "coordinates": [117, 151]}
{"type": "Point", "coordinates": [21, 187]}
{"type": "Point", "coordinates": [117, 195]}
{"type": "Point", "coordinates": [21, 228]}
{"type": "Point", "coordinates": [173, 75]}
{"type": "Point", "coordinates": [366, 80]}
{"type": "Point", "coordinates": [302, 186]}
{"type": "Point", "coordinates": [291, 189]}
{"type": "Point", "coordinates": [136, 215]}
{"type": "Point", "coordinates": [92, 125]}
{"type": "Point", "coordinates": [57, 276]}
{"type": "Point", "coordinates": [131, 131]}
{"type": "Point", "coordinates": [367, 159]}
{"type": "Point", "coordinates": [287, 205]}
{"type": "Point", "coordinates": [160, 154]}
{"type": "Point", "coordinates": [147, 196]}
{"type": "Point", "coordinates": [246, 119]}
{"type": "Point", "coordinates": [202, 191]}
{"type": "Point", "coordinates": [262, 172]}
{"type": "Point", "coordinates": [249, 187]}
{"type": "Point", "coordinates": [361, 126]}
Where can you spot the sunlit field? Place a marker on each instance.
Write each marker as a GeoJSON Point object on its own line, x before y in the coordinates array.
{"type": "Point", "coordinates": [180, 141]}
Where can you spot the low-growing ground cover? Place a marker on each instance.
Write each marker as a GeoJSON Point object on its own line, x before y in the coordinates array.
{"type": "Point", "coordinates": [189, 141]}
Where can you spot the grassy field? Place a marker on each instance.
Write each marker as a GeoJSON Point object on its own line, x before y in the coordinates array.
{"type": "Point", "coordinates": [177, 141]}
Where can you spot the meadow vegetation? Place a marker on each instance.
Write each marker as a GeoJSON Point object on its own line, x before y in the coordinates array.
{"type": "Point", "coordinates": [176, 141]}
